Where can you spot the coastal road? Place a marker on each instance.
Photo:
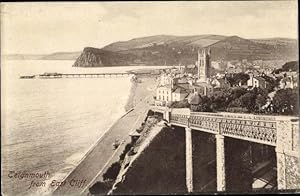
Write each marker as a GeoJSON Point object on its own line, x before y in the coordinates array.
{"type": "Point", "coordinates": [103, 154]}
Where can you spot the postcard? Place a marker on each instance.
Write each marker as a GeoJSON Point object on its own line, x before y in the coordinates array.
{"type": "Point", "coordinates": [149, 97]}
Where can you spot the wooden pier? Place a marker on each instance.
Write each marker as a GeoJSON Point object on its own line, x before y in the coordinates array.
{"type": "Point", "coordinates": [55, 75]}
{"type": "Point", "coordinates": [82, 75]}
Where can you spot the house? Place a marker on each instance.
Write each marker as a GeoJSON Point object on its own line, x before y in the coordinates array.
{"type": "Point", "coordinates": [230, 65]}
{"type": "Point", "coordinates": [179, 94]}
{"type": "Point", "coordinates": [194, 98]}
{"type": "Point", "coordinates": [257, 81]}
{"type": "Point", "coordinates": [220, 83]}
{"type": "Point", "coordinates": [169, 93]}
{"type": "Point", "coordinates": [288, 82]}
{"type": "Point", "coordinates": [165, 79]}
{"type": "Point", "coordinates": [234, 70]}
{"type": "Point", "coordinates": [182, 80]}
{"type": "Point", "coordinates": [163, 94]}
{"type": "Point", "coordinates": [254, 72]}
{"type": "Point", "coordinates": [191, 80]}
{"type": "Point", "coordinates": [219, 75]}
{"type": "Point", "coordinates": [203, 89]}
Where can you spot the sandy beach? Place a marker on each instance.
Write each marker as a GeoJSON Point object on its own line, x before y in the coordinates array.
{"type": "Point", "coordinates": [140, 89]}
{"type": "Point", "coordinates": [98, 159]}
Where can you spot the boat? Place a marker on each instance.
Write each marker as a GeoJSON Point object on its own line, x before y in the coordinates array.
{"type": "Point", "coordinates": [116, 144]}
{"type": "Point", "coordinates": [50, 75]}
{"type": "Point", "coordinates": [27, 77]}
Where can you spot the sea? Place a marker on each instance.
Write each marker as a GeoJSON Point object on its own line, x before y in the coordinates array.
{"type": "Point", "coordinates": [47, 125]}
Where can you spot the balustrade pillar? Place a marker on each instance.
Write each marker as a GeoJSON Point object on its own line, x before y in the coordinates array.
{"type": "Point", "coordinates": [167, 115]}
{"type": "Point", "coordinates": [220, 159]}
{"type": "Point", "coordinates": [288, 155]}
{"type": "Point", "coordinates": [189, 159]}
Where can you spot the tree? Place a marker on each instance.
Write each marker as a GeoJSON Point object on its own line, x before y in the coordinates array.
{"type": "Point", "coordinates": [127, 148]}
{"type": "Point", "coordinates": [260, 101]}
{"type": "Point", "coordinates": [248, 101]}
{"type": "Point", "coordinates": [286, 101]}
{"type": "Point", "coordinates": [100, 188]}
{"type": "Point", "coordinates": [217, 103]}
{"type": "Point", "coordinates": [236, 78]}
{"type": "Point", "coordinates": [272, 83]}
{"type": "Point", "coordinates": [235, 103]}
{"type": "Point", "coordinates": [180, 104]}
{"type": "Point", "coordinates": [205, 105]}
{"type": "Point", "coordinates": [237, 92]}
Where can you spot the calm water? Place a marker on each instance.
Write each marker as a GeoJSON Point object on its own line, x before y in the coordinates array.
{"type": "Point", "coordinates": [49, 124]}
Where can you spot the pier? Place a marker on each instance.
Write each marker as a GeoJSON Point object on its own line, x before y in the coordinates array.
{"type": "Point", "coordinates": [83, 75]}
{"type": "Point", "coordinates": [55, 75]}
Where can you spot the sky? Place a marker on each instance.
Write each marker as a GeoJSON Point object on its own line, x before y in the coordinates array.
{"type": "Point", "coordinates": [42, 28]}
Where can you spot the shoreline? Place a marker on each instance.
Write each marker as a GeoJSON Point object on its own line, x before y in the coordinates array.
{"type": "Point", "coordinates": [128, 109]}
{"type": "Point", "coordinates": [91, 148]}
{"type": "Point", "coordinates": [130, 100]}
{"type": "Point", "coordinates": [101, 152]}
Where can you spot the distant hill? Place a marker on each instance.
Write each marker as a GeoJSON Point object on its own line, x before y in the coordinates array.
{"type": "Point", "coordinates": [53, 56]}
{"type": "Point", "coordinates": [62, 56]}
{"type": "Point", "coordinates": [170, 50]}
{"type": "Point", "coordinates": [22, 57]}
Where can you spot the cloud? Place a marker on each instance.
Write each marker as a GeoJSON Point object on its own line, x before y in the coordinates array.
{"type": "Point", "coordinates": [49, 27]}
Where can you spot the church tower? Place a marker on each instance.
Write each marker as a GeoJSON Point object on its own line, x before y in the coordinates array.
{"type": "Point", "coordinates": [204, 63]}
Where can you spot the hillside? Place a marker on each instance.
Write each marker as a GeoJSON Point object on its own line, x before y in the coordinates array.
{"type": "Point", "coordinates": [152, 172]}
{"type": "Point", "coordinates": [172, 50]}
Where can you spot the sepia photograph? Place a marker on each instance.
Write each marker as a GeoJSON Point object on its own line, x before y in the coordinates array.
{"type": "Point", "coordinates": [149, 97]}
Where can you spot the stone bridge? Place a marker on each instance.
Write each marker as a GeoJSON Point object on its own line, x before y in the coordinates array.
{"type": "Point", "coordinates": [282, 132]}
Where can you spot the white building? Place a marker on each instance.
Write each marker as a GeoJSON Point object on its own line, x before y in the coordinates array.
{"type": "Point", "coordinates": [165, 79]}
{"type": "Point", "coordinates": [256, 81]}
{"type": "Point", "coordinates": [164, 94]}
{"type": "Point", "coordinates": [168, 94]}
{"type": "Point", "coordinates": [179, 94]}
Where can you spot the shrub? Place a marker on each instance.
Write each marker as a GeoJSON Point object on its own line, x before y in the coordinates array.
{"type": "Point", "coordinates": [150, 113]}
{"type": "Point", "coordinates": [286, 101]}
{"type": "Point", "coordinates": [180, 104]}
{"type": "Point", "coordinates": [237, 109]}
{"type": "Point", "coordinates": [127, 148]}
{"type": "Point", "coordinates": [112, 172]}
{"type": "Point", "coordinates": [100, 188]}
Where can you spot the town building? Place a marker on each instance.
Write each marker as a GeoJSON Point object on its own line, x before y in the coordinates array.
{"type": "Point", "coordinates": [235, 70]}
{"type": "Point", "coordinates": [288, 82]}
{"type": "Point", "coordinates": [220, 83]}
{"type": "Point", "coordinates": [165, 95]}
{"type": "Point", "coordinates": [204, 89]}
{"type": "Point", "coordinates": [203, 64]}
{"type": "Point", "coordinates": [256, 81]}
{"type": "Point", "coordinates": [194, 99]}
{"type": "Point", "coordinates": [168, 93]}
{"type": "Point", "coordinates": [254, 72]}
{"type": "Point", "coordinates": [179, 94]}
{"type": "Point", "coordinates": [177, 84]}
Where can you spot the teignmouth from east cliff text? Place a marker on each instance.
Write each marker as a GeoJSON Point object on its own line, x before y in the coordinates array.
{"type": "Point", "coordinates": [167, 97]}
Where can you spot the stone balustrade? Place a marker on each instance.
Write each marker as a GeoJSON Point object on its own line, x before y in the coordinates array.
{"type": "Point", "coordinates": [282, 132]}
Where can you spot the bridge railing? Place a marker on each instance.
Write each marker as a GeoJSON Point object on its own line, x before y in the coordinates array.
{"type": "Point", "coordinates": [256, 128]}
